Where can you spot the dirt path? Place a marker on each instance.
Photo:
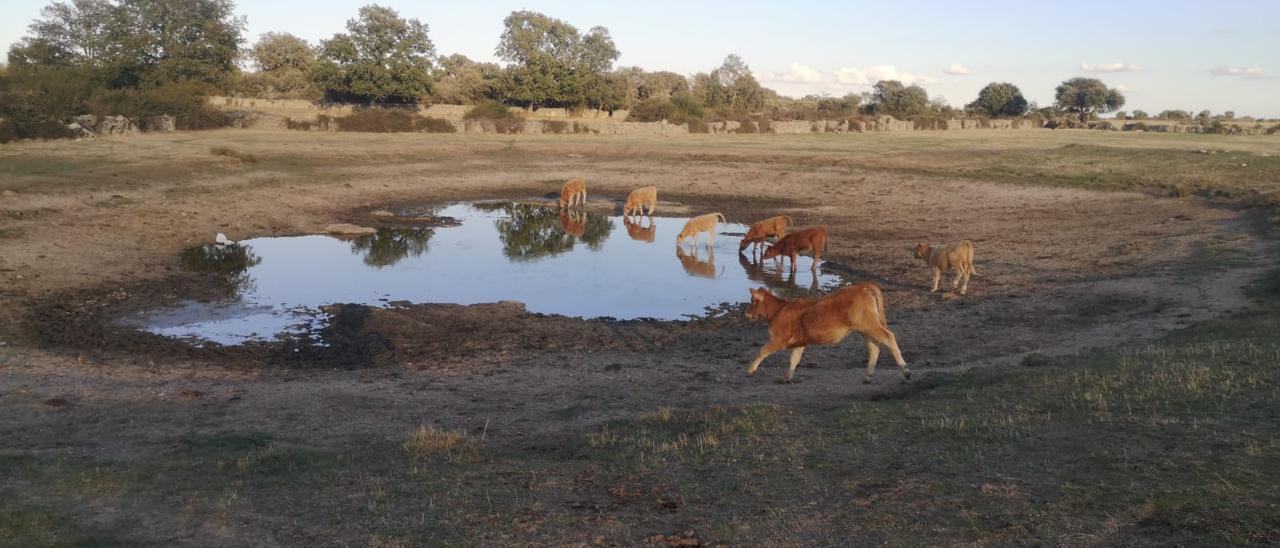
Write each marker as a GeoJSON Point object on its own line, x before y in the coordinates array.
{"type": "Point", "coordinates": [1061, 270]}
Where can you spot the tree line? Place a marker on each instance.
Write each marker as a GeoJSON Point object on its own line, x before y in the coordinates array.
{"type": "Point", "coordinates": [135, 57]}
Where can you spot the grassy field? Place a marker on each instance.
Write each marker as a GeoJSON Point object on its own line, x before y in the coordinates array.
{"type": "Point", "coordinates": [1172, 443]}
{"type": "Point", "coordinates": [1169, 442]}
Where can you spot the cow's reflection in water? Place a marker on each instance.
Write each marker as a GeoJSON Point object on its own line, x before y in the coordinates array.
{"type": "Point", "coordinates": [573, 222]}
{"type": "Point", "coordinates": [695, 267]}
{"type": "Point", "coordinates": [637, 229]}
{"type": "Point", "coordinates": [777, 278]}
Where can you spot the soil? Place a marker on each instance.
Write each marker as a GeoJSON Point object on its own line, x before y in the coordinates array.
{"type": "Point", "coordinates": [1061, 270]}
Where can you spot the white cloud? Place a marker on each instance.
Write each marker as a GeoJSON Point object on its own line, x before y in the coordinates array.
{"type": "Point", "coordinates": [798, 74]}
{"type": "Point", "coordinates": [1110, 67]}
{"type": "Point", "coordinates": [1125, 89]}
{"type": "Point", "coordinates": [1251, 71]}
{"type": "Point", "coordinates": [957, 69]}
{"type": "Point", "coordinates": [859, 77]}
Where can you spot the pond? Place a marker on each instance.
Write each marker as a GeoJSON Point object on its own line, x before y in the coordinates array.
{"type": "Point", "coordinates": [579, 264]}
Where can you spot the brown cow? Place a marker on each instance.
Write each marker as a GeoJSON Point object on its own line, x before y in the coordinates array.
{"type": "Point", "coordinates": [773, 227]}
{"type": "Point", "coordinates": [813, 240]}
{"type": "Point", "coordinates": [638, 231]}
{"type": "Point", "coordinates": [639, 198]}
{"type": "Point", "coordinates": [957, 256]}
{"type": "Point", "coordinates": [573, 192]}
{"type": "Point", "coordinates": [798, 323]}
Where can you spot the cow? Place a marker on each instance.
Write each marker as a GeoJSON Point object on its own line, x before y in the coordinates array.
{"type": "Point", "coordinates": [697, 225]}
{"type": "Point", "coordinates": [797, 323]}
{"type": "Point", "coordinates": [813, 240]}
{"type": "Point", "coordinates": [957, 256]}
{"type": "Point", "coordinates": [573, 192]}
{"type": "Point", "coordinates": [773, 227]}
{"type": "Point", "coordinates": [639, 198]}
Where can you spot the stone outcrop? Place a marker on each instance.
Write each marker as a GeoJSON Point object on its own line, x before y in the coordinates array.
{"type": "Point", "coordinates": [116, 125]}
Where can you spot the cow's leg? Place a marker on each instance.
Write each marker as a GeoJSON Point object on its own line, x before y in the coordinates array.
{"type": "Point", "coordinates": [769, 348]}
{"type": "Point", "coordinates": [873, 355]}
{"type": "Point", "coordinates": [964, 285]}
{"type": "Point", "coordinates": [796, 353]}
{"type": "Point", "coordinates": [937, 276]}
{"type": "Point", "coordinates": [956, 282]}
{"type": "Point", "coordinates": [794, 256]}
{"type": "Point", "coordinates": [711, 237]}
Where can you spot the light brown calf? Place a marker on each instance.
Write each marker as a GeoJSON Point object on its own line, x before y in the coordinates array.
{"type": "Point", "coordinates": [798, 323]}
{"type": "Point", "coordinates": [573, 192]}
{"type": "Point", "coordinates": [697, 225]}
{"type": "Point", "coordinates": [773, 227]}
{"type": "Point", "coordinates": [813, 240]}
{"type": "Point", "coordinates": [639, 198]}
{"type": "Point", "coordinates": [957, 256]}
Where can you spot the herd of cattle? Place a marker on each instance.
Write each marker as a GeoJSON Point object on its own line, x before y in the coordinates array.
{"type": "Point", "coordinates": [797, 323]}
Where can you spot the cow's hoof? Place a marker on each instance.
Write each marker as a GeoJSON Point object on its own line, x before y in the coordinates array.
{"type": "Point", "coordinates": [751, 372]}
{"type": "Point", "coordinates": [786, 381]}
{"type": "Point", "coordinates": [906, 375]}
{"type": "Point", "coordinates": [866, 380]}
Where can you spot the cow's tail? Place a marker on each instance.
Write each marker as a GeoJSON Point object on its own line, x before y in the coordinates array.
{"type": "Point", "coordinates": [722, 219]}
{"type": "Point", "coordinates": [879, 295]}
{"type": "Point", "coordinates": [789, 220]}
{"type": "Point", "coordinates": [973, 270]}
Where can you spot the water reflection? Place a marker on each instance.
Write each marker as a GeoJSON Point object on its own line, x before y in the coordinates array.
{"type": "Point", "coordinates": [638, 231]}
{"type": "Point", "coordinates": [230, 261]}
{"type": "Point", "coordinates": [530, 232]}
{"type": "Point", "coordinates": [499, 251]}
{"type": "Point", "coordinates": [775, 277]}
{"type": "Point", "coordinates": [388, 246]}
{"type": "Point", "coordinates": [693, 265]}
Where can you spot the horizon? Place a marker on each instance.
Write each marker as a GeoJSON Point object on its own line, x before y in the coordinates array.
{"type": "Point", "coordinates": [1161, 56]}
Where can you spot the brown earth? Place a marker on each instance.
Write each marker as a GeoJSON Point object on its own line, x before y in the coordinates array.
{"type": "Point", "coordinates": [92, 230]}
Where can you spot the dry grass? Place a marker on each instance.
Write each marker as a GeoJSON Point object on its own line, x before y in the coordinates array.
{"type": "Point", "coordinates": [430, 443]}
{"type": "Point", "coordinates": [234, 154]}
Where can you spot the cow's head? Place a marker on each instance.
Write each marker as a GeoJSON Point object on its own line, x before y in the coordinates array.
{"type": "Point", "coordinates": [771, 251]}
{"type": "Point", "coordinates": [921, 250]}
{"type": "Point", "coordinates": [758, 297]}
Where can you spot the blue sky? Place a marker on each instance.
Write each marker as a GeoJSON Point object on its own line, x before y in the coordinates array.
{"type": "Point", "coordinates": [1222, 55]}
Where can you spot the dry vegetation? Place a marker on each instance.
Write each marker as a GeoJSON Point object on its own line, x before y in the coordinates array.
{"type": "Point", "coordinates": [1171, 440]}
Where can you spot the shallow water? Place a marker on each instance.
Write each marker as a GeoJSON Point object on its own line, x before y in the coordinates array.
{"type": "Point", "coordinates": [578, 264]}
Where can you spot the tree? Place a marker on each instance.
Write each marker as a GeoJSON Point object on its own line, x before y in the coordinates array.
{"type": "Point", "coordinates": [285, 65]}
{"type": "Point", "coordinates": [282, 51]}
{"type": "Point", "coordinates": [662, 85]}
{"type": "Point", "coordinates": [998, 100]}
{"type": "Point", "coordinates": [902, 102]}
{"type": "Point", "coordinates": [1140, 115]}
{"type": "Point", "coordinates": [461, 81]}
{"type": "Point", "coordinates": [1174, 115]}
{"type": "Point", "coordinates": [1230, 115]}
{"type": "Point", "coordinates": [381, 59]}
{"type": "Point", "coordinates": [1204, 117]}
{"type": "Point", "coordinates": [1121, 115]}
{"type": "Point", "coordinates": [1087, 97]}
{"type": "Point", "coordinates": [137, 43]}
{"type": "Point", "coordinates": [551, 62]}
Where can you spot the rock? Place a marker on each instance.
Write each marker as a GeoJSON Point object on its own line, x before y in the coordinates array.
{"type": "Point", "coordinates": [383, 213]}
{"type": "Point", "coordinates": [80, 131]}
{"type": "Point", "coordinates": [116, 125]}
{"type": "Point", "coordinates": [221, 239]}
{"type": "Point", "coordinates": [347, 229]}
{"type": "Point", "coordinates": [163, 123]}
{"type": "Point", "coordinates": [10, 194]}
{"type": "Point", "coordinates": [241, 119]}
{"type": "Point", "coordinates": [89, 121]}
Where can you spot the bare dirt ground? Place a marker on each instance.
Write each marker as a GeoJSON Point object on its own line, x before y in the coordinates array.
{"type": "Point", "coordinates": [90, 229]}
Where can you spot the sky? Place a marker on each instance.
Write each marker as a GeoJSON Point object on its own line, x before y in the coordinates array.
{"type": "Point", "coordinates": [1176, 54]}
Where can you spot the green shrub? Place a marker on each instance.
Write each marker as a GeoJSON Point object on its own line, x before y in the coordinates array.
{"type": "Point", "coordinates": [385, 120]}
{"type": "Point", "coordinates": [490, 110]}
{"type": "Point", "coordinates": [676, 110]}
